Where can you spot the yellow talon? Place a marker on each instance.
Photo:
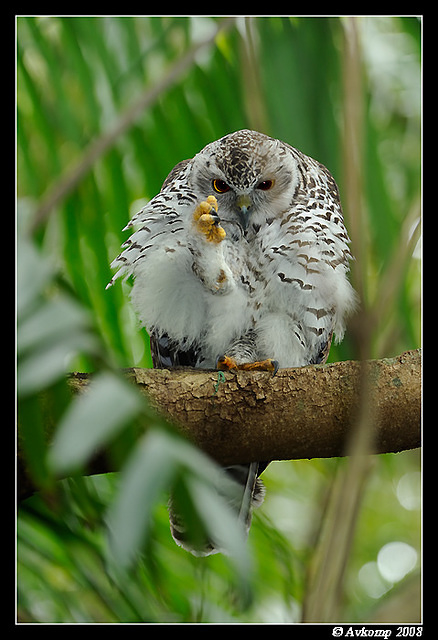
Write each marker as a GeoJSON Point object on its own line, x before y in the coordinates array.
{"type": "Point", "coordinates": [208, 223]}
{"type": "Point", "coordinates": [225, 363]}
{"type": "Point", "coordinates": [211, 200]}
{"type": "Point", "coordinates": [205, 207]}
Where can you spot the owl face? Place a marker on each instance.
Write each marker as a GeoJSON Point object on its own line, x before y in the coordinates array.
{"type": "Point", "coordinates": [252, 177]}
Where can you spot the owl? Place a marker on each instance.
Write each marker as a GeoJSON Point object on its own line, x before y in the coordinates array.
{"type": "Point", "coordinates": [240, 262]}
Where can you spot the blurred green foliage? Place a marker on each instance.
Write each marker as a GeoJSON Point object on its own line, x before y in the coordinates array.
{"type": "Point", "coordinates": [76, 77]}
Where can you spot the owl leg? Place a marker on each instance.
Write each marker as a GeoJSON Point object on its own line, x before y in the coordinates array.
{"type": "Point", "coordinates": [225, 363]}
{"type": "Point", "coordinates": [207, 221]}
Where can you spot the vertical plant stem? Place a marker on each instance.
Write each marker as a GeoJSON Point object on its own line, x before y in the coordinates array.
{"type": "Point", "coordinates": [352, 152]}
{"type": "Point", "coordinates": [324, 595]}
{"type": "Point", "coordinates": [254, 99]}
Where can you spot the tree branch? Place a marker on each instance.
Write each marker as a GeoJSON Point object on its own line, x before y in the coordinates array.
{"type": "Point", "coordinates": [305, 412]}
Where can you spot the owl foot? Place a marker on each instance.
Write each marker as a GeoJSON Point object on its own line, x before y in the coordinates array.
{"type": "Point", "coordinates": [225, 363]}
{"type": "Point", "coordinates": [207, 221]}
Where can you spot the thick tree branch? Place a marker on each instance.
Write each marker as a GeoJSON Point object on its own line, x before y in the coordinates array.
{"type": "Point", "coordinates": [307, 412]}
{"type": "Point", "coordinates": [304, 412]}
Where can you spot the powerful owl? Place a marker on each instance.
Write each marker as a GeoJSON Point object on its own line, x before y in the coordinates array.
{"type": "Point", "coordinates": [240, 262]}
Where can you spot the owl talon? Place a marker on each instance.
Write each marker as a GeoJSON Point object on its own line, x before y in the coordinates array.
{"type": "Point", "coordinates": [262, 365]}
{"type": "Point", "coordinates": [207, 221]}
{"type": "Point", "coordinates": [225, 363]}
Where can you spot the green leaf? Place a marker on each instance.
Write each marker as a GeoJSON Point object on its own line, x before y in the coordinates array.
{"type": "Point", "coordinates": [52, 326]}
{"type": "Point", "coordinates": [148, 471]}
{"type": "Point", "coordinates": [158, 458]}
{"type": "Point", "coordinates": [50, 322]}
{"type": "Point", "coordinates": [91, 420]}
{"type": "Point", "coordinates": [223, 527]}
{"type": "Point", "coordinates": [44, 365]}
{"type": "Point", "coordinates": [33, 275]}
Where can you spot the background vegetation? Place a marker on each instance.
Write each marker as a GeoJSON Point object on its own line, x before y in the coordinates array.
{"type": "Point", "coordinates": [106, 106]}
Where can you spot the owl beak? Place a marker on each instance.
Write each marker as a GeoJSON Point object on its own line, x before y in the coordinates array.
{"type": "Point", "coordinates": [244, 204]}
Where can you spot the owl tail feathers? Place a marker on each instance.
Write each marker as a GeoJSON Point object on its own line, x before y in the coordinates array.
{"type": "Point", "coordinates": [250, 496]}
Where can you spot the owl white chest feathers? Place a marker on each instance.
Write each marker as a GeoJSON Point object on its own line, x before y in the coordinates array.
{"type": "Point", "coordinates": [274, 287]}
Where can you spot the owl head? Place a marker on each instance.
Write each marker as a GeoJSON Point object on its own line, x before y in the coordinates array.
{"type": "Point", "coordinates": [253, 177]}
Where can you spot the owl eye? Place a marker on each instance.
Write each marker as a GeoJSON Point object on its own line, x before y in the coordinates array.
{"type": "Point", "coordinates": [220, 186]}
{"type": "Point", "coordinates": [265, 185]}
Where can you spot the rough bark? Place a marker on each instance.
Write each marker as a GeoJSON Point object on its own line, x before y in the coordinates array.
{"type": "Point", "coordinates": [308, 412]}
{"type": "Point", "coordinates": [303, 412]}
